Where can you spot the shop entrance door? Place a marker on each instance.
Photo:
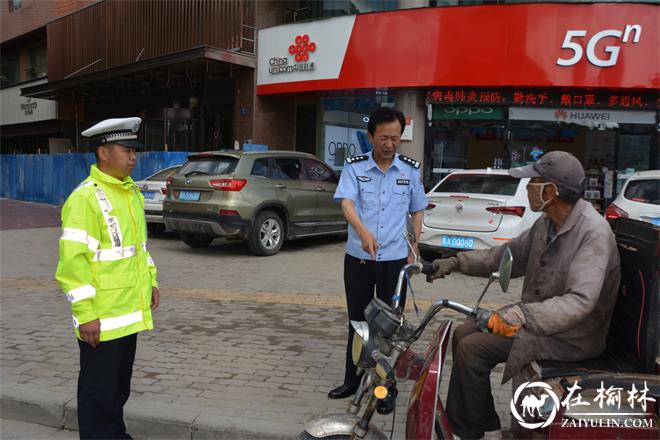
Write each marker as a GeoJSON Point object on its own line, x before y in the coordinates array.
{"type": "Point", "coordinates": [306, 128]}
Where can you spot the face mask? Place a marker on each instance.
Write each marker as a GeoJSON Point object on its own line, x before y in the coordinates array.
{"type": "Point", "coordinates": [535, 194]}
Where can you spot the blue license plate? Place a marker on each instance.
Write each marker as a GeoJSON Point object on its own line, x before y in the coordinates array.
{"type": "Point", "coordinates": [458, 242]}
{"type": "Point", "coordinates": [148, 194]}
{"type": "Point", "coordinates": [655, 221]}
{"type": "Point", "coordinates": [189, 195]}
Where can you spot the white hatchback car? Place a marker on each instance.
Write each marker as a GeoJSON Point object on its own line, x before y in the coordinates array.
{"type": "Point", "coordinates": [475, 209]}
{"type": "Point", "coordinates": [154, 190]}
{"type": "Point", "coordinates": [639, 198]}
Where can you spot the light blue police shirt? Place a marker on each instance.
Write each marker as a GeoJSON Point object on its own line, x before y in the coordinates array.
{"type": "Point", "coordinates": [382, 201]}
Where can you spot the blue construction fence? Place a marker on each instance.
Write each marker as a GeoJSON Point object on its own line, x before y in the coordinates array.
{"type": "Point", "coordinates": [50, 178]}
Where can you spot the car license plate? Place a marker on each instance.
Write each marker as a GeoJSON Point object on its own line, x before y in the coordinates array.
{"type": "Point", "coordinates": [148, 194]}
{"type": "Point", "coordinates": [455, 241]}
{"type": "Point", "coordinates": [655, 221]}
{"type": "Point", "coordinates": [189, 195]}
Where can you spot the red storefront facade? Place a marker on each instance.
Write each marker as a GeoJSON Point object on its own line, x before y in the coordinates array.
{"type": "Point", "coordinates": [484, 85]}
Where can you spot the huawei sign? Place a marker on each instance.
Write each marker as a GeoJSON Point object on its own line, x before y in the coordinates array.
{"type": "Point", "coordinates": [300, 50]}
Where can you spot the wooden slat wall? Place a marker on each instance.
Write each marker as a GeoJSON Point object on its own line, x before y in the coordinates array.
{"type": "Point", "coordinates": [116, 31]}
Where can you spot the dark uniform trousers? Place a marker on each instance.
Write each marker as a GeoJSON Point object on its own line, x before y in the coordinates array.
{"type": "Point", "coordinates": [470, 405]}
{"type": "Point", "coordinates": [104, 385]}
{"type": "Point", "coordinates": [360, 278]}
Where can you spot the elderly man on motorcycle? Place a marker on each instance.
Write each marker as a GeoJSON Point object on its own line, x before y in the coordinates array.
{"type": "Point", "coordinates": [571, 266]}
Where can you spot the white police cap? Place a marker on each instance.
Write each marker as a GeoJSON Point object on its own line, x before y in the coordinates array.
{"type": "Point", "coordinates": [122, 131]}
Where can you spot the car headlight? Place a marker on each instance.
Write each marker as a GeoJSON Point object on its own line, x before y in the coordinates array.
{"type": "Point", "coordinates": [363, 345]}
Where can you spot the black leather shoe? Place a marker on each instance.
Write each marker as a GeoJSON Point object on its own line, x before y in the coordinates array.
{"type": "Point", "coordinates": [342, 391]}
{"type": "Point", "coordinates": [386, 405]}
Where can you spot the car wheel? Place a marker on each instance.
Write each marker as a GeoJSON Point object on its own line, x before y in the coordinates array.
{"type": "Point", "coordinates": [196, 240]}
{"type": "Point", "coordinates": [267, 234]}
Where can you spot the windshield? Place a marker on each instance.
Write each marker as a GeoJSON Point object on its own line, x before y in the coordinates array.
{"type": "Point", "coordinates": [643, 191]}
{"type": "Point", "coordinates": [497, 184]}
{"type": "Point", "coordinates": [211, 166]}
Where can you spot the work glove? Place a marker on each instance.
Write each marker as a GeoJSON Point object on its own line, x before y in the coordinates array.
{"type": "Point", "coordinates": [507, 321]}
{"type": "Point", "coordinates": [442, 266]}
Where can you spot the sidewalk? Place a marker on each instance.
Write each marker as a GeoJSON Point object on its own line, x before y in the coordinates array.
{"type": "Point", "coordinates": [244, 347]}
{"type": "Point", "coordinates": [213, 367]}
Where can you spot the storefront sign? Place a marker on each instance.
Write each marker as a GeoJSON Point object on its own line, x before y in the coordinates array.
{"type": "Point", "coordinates": [343, 142]}
{"type": "Point", "coordinates": [17, 109]}
{"type": "Point", "coordinates": [626, 99]}
{"type": "Point", "coordinates": [540, 45]}
{"type": "Point", "coordinates": [467, 112]}
{"type": "Point", "coordinates": [29, 107]}
{"type": "Point", "coordinates": [631, 33]}
{"type": "Point", "coordinates": [303, 51]}
{"type": "Point", "coordinates": [300, 51]}
{"type": "Point", "coordinates": [582, 117]}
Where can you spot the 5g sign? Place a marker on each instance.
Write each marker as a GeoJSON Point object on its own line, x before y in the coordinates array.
{"type": "Point", "coordinates": [613, 51]}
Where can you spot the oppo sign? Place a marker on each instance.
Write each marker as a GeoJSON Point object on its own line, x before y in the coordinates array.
{"type": "Point", "coordinates": [466, 112]}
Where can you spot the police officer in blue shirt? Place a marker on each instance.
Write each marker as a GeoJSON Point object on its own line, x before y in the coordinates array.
{"type": "Point", "coordinates": [377, 191]}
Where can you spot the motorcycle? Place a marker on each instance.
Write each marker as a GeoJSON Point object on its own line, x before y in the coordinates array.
{"type": "Point", "coordinates": [381, 350]}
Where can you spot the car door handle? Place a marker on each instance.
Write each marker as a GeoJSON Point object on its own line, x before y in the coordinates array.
{"type": "Point", "coordinates": [279, 186]}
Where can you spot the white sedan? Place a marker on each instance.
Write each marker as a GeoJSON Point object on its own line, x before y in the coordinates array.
{"type": "Point", "coordinates": [639, 198]}
{"type": "Point", "coordinates": [475, 209]}
{"type": "Point", "coordinates": [154, 190]}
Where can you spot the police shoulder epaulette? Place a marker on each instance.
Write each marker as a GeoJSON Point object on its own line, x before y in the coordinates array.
{"type": "Point", "coordinates": [409, 161]}
{"type": "Point", "coordinates": [354, 159]}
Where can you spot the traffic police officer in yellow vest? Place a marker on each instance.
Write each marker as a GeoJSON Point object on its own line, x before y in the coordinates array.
{"type": "Point", "coordinates": [108, 276]}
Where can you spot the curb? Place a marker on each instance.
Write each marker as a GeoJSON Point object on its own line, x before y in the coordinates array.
{"type": "Point", "coordinates": [143, 419]}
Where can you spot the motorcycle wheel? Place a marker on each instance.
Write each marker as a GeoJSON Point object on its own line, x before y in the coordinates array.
{"type": "Point", "coordinates": [307, 436]}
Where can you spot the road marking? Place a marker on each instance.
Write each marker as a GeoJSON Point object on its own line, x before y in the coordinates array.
{"type": "Point", "coordinates": [330, 300]}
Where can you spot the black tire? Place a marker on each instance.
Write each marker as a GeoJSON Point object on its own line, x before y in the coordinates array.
{"type": "Point", "coordinates": [307, 436]}
{"type": "Point", "coordinates": [196, 241]}
{"type": "Point", "coordinates": [267, 234]}
{"type": "Point", "coordinates": [156, 228]}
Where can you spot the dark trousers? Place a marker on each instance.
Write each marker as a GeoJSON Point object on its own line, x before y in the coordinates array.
{"type": "Point", "coordinates": [470, 405]}
{"type": "Point", "coordinates": [104, 384]}
{"type": "Point", "coordinates": [360, 278]}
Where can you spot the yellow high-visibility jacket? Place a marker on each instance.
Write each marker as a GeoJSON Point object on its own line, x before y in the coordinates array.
{"type": "Point", "coordinates": [104, 267]}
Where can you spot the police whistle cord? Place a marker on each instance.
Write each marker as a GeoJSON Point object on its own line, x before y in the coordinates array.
{"type": "Point", "coordinates": [413, 296]}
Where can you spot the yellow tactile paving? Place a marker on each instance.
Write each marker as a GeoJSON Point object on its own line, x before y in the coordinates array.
{"type": "Point", "coordinates": [336, 300]}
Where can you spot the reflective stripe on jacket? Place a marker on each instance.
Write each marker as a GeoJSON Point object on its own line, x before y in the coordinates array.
{"type": "Point", "coordinates": [104, 267]}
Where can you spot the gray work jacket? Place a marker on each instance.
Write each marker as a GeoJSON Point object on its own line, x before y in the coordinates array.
{"type": "Point", "coordinates": [569, 291]}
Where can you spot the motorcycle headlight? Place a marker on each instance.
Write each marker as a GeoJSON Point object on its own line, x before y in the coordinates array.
{"type": "Point", "coordinates": [363, 345]}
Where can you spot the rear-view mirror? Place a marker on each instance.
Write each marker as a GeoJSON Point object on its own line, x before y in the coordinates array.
{"type": "Point", "coordinates": [504, 271]}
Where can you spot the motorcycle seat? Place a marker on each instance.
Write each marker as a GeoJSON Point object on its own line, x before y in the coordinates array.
{"type": "Point", "coordinates": [611, 361]}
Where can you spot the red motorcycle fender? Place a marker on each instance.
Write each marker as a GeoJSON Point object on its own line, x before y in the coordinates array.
{"type": "Point", "coordinates": [424, 402]}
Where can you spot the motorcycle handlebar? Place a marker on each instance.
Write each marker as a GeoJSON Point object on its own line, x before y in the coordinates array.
{"type": "Point", "coordinates": [429, 268]}
{"type": "Point", "coordinates": [479, 314]}
{"type": "Point", "coordinates": [407, 270]}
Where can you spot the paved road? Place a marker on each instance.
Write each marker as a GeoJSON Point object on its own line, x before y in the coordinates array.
{"type": "Point", "coordinates": [15, 214]}
{"type": "Point", "coordinates": [252, 340]}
